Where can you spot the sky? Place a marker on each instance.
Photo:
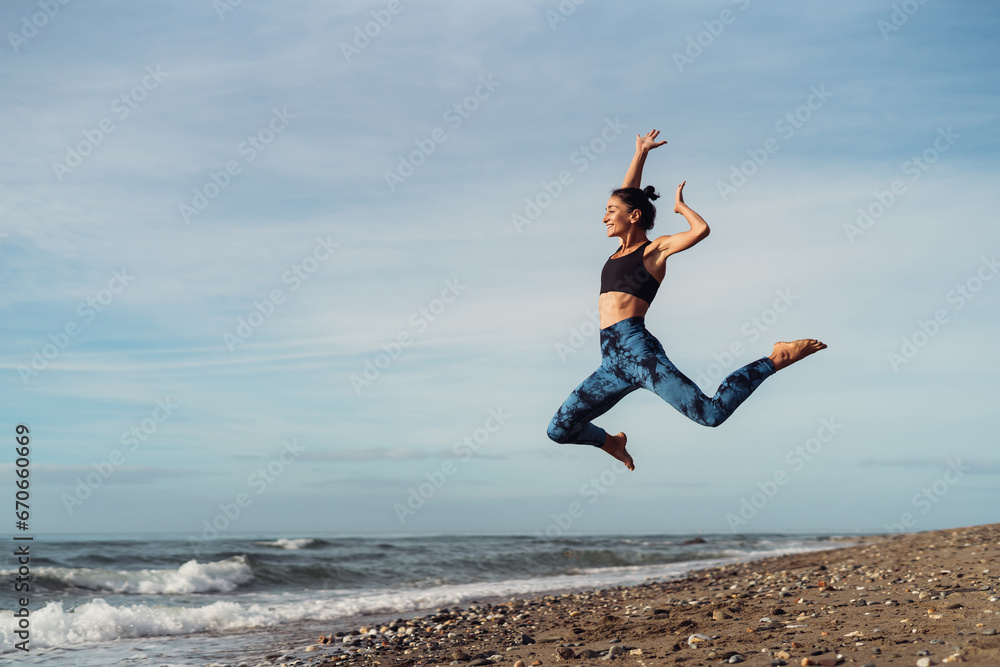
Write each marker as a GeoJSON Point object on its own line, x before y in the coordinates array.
{"type": "Point", "coordinates": [317, 267]}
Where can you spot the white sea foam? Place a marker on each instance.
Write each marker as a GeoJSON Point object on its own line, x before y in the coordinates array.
{"type": "Point", "coordinates": [283, 543]}
{"type": "Point", "coordinates": [191, 577]}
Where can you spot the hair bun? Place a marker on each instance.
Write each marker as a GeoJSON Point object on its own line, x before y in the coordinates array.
{"type": "Point", "coordinates": [650, 193]}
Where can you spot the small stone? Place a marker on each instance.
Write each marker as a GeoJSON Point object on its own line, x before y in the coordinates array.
{"type": "Point", "coordinates": [785, 655]}
{"type": "Point", "coordinates": [733, 659]}
{"type": "Point", "coordinates": [527, 639]}
{"type": "Point", "coordinates": [924, 662]}
{"type": "Point", "coordinates": [587, 654]}
{"type": "Point", "coordinates": [613, 651]}
{"type": "Point", "coordinates": [991, 631]}
{"type": "Point", "coordinates": [566, 653]}
{"type": "Point", "coordinates": [461, 656]}
{"type": "Point", "coordinates": [778, 611]}
{"type": "Point", "coordinates": [519, 663]}
{"type": "Point", "coordinates": [535, 663]}
{"type": "Point", "coordinates": [720, 615]}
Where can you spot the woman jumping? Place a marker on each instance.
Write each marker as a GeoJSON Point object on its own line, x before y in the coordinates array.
{"type": "Point", "coordinates": [630, 356]}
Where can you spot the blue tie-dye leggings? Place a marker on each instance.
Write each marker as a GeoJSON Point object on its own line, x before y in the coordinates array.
{"type": "Point", "coordinates": [632, 358]}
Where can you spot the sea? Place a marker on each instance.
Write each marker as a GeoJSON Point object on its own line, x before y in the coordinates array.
{"type": "Point", "coordinates": [164, 600]}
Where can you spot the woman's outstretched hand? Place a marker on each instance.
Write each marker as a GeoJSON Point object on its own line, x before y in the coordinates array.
{"type": "Point", "coordinates": [679, 199]}
{"type": "Point", "coordinates": [648, 142]}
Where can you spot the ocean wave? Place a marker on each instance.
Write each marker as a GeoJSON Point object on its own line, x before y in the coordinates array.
{"type": "Point", "coordinates": [301, 543]}
{"type": "Point", "coordinates": [98, 621]}
{"type": "Point", "coordinates": [191, 577]}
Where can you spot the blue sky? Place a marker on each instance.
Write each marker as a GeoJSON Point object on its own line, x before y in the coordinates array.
{"type": "Point", "coordinates": [173, 169]}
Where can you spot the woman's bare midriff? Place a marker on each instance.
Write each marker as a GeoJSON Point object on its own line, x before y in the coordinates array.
{"type": "Point", "coordinates": [617, 306]}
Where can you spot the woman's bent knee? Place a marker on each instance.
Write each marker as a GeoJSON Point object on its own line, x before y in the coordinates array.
{"type": "Point", "coordinates": [557, 433]}
{"type": "Point", "coordinates": [713, 418]}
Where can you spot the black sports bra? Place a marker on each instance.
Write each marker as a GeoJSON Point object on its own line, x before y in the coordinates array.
{"type": "Point", "coordinates": [627, 274]}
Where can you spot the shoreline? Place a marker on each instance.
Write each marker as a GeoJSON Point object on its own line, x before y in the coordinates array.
{"type": "Point", "coordinates": [911, 599]}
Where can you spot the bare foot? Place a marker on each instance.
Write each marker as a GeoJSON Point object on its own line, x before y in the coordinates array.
{"type": "Point", "coordinates": [786, 354]}
{"type": "Point", "coordinates": [615, 445]}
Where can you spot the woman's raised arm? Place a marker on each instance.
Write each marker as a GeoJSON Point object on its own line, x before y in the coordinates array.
{"type": "Point", "coordinates": [668, 245]}
{"type": "Point", "coordinates": [642, 146]}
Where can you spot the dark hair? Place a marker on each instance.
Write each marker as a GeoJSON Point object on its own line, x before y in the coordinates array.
{"type": "Point", "coordinates": [643, 199]}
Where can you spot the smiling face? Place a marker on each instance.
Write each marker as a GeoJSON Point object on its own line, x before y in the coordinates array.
{"type": "Point", "coordinates": [617, 217]}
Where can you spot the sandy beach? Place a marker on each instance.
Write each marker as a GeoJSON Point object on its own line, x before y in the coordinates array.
{"type": "Point", "coordinates": [915, 599]}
